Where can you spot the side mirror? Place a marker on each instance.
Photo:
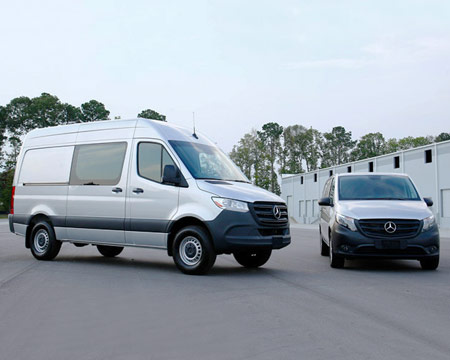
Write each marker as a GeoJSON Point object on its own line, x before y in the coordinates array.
{"type": "Point", "coordinates": [171, 175]}
{"type": "Point", "coordinates": [428, 201]}
{"type": "Point", "coordinates": [326, 201]}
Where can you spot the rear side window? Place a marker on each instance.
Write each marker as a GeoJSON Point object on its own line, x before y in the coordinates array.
{"type": "Point", "coordinates": [46, 166]}
{"type": "Point", "coordinates": [98, 164]}
{"type": "Point", "coordinates": [151, 161]}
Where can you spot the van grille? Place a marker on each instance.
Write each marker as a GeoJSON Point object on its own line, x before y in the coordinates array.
{"type": "Point", "coordinates": [376, 228]}
{"type": "Point", "coordinates": [264, 213]}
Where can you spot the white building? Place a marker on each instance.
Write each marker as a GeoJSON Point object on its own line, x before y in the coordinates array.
{"type": "Point", "coordinates": [428, 166]}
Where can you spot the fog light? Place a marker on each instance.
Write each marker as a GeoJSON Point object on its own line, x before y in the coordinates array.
{"type": "Point", "coordinates": [345, 248]}
{"type": "Point", "coordinates": [433, 249]}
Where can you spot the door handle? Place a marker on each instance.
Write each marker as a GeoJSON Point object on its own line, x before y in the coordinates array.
{"type": "Point", "coordinates": [138, 190]}
{"type": "Point", "coordinates": [117, 190]}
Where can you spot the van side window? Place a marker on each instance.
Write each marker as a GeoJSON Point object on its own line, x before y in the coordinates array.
{"type": "Point", "coordinates": [98, 164]}
{"type": "Point", "coordinates": [151, 161]}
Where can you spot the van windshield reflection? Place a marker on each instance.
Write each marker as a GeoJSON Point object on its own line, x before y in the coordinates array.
{"type": "Point", "coordinates": [206, 162]}
{"type": "Point", "coordinates": [376, 187]}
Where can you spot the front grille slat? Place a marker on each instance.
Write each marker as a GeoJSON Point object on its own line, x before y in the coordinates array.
{"type": "Point", "coordinates": [263, 212]}
{"type": "Point", "coordinates": [375, 228]}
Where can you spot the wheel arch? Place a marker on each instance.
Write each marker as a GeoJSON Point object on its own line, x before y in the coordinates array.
{"type": "Point", "coordinates": [181, 223]}
{"type": "Point", "coordinates": [34, 220]}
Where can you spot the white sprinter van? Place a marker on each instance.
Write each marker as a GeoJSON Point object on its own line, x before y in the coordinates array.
{"type": "Point", "coordinates": [141, 183]}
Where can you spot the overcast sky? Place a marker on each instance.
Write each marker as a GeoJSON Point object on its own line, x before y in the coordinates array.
{"type": "Point", "coordinates": [370, 66]}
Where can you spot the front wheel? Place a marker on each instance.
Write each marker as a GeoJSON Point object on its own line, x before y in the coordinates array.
{"type": "Point", "coordinates": [336, 261]}
{"type": "Point", "coordinates": [253, 259]}
{"type": "Point", "coordinates": [430, 263]}
{"type": "Point", "coordinates": [43, 243]}
{"type": "Point", "coordinates": [192, 251]}
{"type": "Point", "coordinates": [109, 251]}
{"type": "Point", "coordinates": [324, 248]}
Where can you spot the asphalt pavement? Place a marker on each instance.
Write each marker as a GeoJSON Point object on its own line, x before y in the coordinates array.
{"type": "Point", "coordinates": [139, 306]}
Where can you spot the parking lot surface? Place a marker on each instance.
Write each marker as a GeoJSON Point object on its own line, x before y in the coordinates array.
{"type": "Point", "coordinates": [139, 306]}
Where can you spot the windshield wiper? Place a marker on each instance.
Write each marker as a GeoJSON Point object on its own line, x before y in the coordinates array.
{"type": "Point", "coordinates": [209, 178]}
{"type": "Point", "coordinates": [240, 181]}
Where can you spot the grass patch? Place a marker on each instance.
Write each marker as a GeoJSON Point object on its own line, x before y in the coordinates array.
{"type": "Point", "coordinates": [3, 216]}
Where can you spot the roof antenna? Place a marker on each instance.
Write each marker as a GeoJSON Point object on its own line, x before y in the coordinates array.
{"type": "Point", "coordinates": [193, 120]}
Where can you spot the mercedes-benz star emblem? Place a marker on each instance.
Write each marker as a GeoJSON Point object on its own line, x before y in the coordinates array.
{"type": "Point", "coordinates": [276, 212]}
{"type": "Point", "coordinates": [390, 227]}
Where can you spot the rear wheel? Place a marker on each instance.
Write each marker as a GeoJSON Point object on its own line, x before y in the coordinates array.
{"type": "Point", "coordinates": [336, 261]}
{"type": "Point", "coordinates": [192, 251]}
{"type": "Point", "coordinates": [253, 259]}
{"type": "Point", "coordinates": [43, 243]}
{"type": "Point", "coordinates": [430, 263]}
{"type": "Point", "coordinates": [109, 251]}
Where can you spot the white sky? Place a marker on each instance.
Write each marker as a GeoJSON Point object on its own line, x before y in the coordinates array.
{"type": "Point", "coordinates": [370, 66]}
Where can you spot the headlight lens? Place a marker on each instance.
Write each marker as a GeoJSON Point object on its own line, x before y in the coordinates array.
{"type": "Point", "coordinates": [229, 204]}
{"type": "Point", "coordinates": [428, 223]}
{"type": "Point", "coordinates": [346, 221]}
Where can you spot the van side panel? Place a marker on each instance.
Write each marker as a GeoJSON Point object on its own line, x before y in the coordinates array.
{"type": "Point", "coordinates": [41, 186]}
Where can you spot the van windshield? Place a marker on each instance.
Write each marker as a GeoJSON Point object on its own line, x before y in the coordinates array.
{"type": "Point", "coordinates": [207, 162]}
{"type": "Point", "coordinates": [376, 187]}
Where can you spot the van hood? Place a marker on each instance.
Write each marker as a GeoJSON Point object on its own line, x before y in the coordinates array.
{"type": "Point", "coordinates": [383, 209]}
{"type": "Point", "coordinates": [237, 191]}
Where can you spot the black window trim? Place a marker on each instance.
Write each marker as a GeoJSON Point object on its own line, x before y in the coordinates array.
{"type": "Point", "coordinates": [76, 146]}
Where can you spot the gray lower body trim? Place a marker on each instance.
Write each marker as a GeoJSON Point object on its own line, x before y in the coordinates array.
{"type": "Point", "coordinates": [102, 223]}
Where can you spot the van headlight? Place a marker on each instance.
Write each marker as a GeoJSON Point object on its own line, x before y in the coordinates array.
{"type": "Point", "coordinates": [229, 204]}
{"type": "Point", "coordinates": [428, 223]}
{"type": "Point", "coordinates": [346, 221]}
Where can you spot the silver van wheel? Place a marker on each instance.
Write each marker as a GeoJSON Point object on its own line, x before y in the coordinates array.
{"type": "Point", "coordinates": [41, 241]}
{"type": "Point", "coordinates": [190, 251]}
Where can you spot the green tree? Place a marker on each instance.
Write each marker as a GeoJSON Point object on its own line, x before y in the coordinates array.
{"type": "Point", "coordinates": [370, 145]}
{"type": "Point", "coordinates": [391, 146]}
{"type": "Point", "coordinates": [93, 110]}
{"type": "Point", "coordinates": [243, 154]}
{"type": "Point", "coordinates": [6, 180]}
{"type": "Point", "coordinates": [291, 157]}
{"type": "Point", "coordinates": [410, 142]}
{"type": "Point", "coordinates": [70, 114]}
{"type": "Point", "coordinates": [151, 114]}
{"type": "Point", "coordinates": [442, 137]}
{"type": "Point", "coordinates": [313, 149]}
{"type": "Point", "coordinates": [337, 146]}
{"type": "Point", "coordinates": [270, 138]}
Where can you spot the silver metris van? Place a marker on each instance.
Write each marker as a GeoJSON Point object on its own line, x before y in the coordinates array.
{"type": "Point", "coordinates": [377, 215]}
{"type": "Point", "coordinates": [141, 183]}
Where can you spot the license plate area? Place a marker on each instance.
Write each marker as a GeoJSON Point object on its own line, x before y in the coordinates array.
{"type": "Point", "coordinates": [391, 244]}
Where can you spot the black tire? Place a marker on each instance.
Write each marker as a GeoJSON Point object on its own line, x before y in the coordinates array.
{"type": "Point", "coordinates": [324, 248]}
{"type": "Point", "coordinates": [193, 252]}
{"type": "Point", "coordinates": [43, 243]}
{"type": "Point", "coordinates": [109, 251]}
{"type": "Point", "coordinates": [336, 261]}
{"type": "Point", "coordinates": [253, 259]}
{"type": "Point", "coordinates": [430, 263]}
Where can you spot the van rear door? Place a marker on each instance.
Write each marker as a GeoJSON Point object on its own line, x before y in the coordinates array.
{"type": "Point", "coordinates": [96, 198]}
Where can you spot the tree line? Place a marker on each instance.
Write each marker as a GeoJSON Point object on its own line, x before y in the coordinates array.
{"type": "Point", "coordinates": [23, 114]}
{"type": "Point", "coordinates": [263, 155]}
